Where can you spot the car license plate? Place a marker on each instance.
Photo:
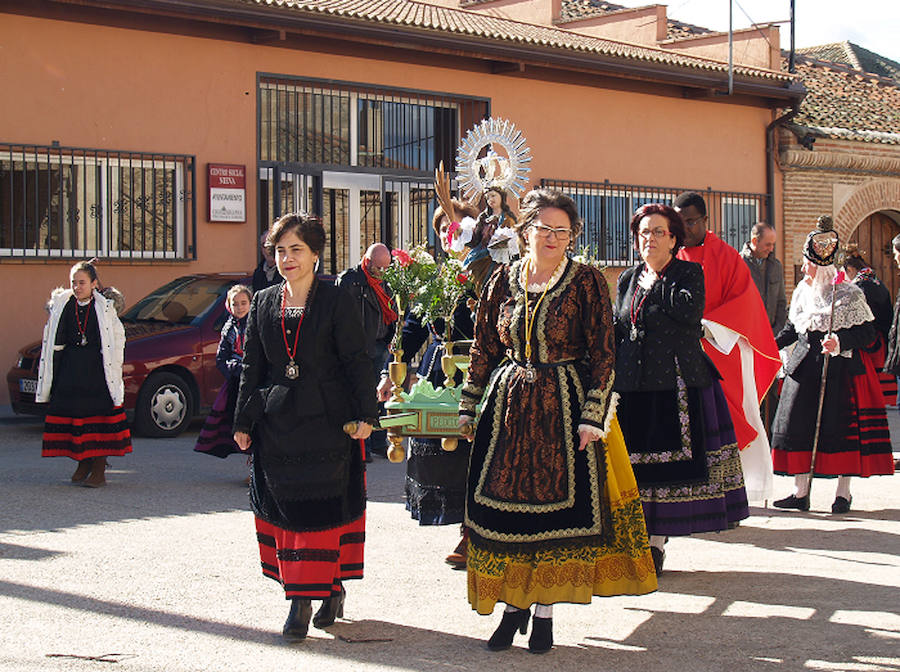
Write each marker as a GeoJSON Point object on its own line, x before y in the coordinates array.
{"type": "Point", "coordinates": [28, 385]}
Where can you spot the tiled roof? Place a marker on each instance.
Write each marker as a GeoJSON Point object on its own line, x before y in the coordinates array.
{"type": "Point", "coordinates": [844, 102]}
{"type": "Point", "coordinates": [426, 17]}
{"type": "Point", "coordinates": [582, 9]}
{"type": "Point", "coordinates": [856, 57]}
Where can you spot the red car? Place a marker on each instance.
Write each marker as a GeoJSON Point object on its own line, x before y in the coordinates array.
{"type": "Point", "coordinates": [170, 355]}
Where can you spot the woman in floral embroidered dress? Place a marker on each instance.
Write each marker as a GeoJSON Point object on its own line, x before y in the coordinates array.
{"type": "Point", "coordinates": [552, 507]}
{"type": "Point", "coordinates": [686, 460]}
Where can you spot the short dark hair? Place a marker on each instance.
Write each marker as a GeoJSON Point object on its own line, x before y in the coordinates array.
{"type": "Point", "coordinates": [855, 260]}
{"type": "Point", "coordinates": [538, 199]}
{"type": "Point", "coordinates": [86, 267]}
{"type": "Point", "coordinates": [691, 198]}
{"type": "Point", "coordinates": [676, 223]}
{"type": "Point", "coordinates": [307, 228]}
{"type": "Point", "coordinates": [758, 229]}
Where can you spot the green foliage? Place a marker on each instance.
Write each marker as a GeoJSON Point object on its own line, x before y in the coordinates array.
{"type": "Point", "coordinates": [439, 296]}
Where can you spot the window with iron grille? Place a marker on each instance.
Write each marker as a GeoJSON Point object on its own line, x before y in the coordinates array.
{"type": "Point", "coordinates": [316, 122]}
{"type": "Point", "coordinates": [75, 202]}
{"type": "Point", "coordinates": [607, 210]}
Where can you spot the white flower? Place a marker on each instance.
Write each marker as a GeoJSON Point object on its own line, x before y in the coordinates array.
{"type": "Point", "coordinates": [420, 255]}
{"type": "Point", "coordinates": [463, 235]}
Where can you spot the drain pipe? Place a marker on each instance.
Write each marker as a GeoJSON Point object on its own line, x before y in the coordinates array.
{"type": "Point", "coordinates": [770, 162]}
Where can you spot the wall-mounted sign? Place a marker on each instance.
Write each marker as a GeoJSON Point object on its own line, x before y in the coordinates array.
{"type": "Point", "coordinates": [227, 192]}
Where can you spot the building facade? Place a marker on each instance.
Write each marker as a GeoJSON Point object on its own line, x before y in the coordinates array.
{"type": "Point", "coordinates": [133, 120]}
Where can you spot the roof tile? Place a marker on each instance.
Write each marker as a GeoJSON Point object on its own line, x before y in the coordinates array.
{"type": "Point", "coordinates": [435, 17]}
{"type": "Point", "coordinates": [843, 102]}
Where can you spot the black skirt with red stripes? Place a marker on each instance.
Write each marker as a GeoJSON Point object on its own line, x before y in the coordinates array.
{"type": "Point", "coordinates": [854, 438]}
{"type": "Point", "coordinates": [81, 420]}
{"type": "Point", "coordinates": [312, 565]}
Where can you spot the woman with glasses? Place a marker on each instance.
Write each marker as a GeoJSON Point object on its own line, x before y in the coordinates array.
{"type": "Point", "coordinates": [686, 459]}
{"type": "Point", "coordinates": [551, 504]}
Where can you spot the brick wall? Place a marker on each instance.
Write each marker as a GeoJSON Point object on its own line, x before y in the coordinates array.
{"type": "Point", "coordinates": [856, 180]}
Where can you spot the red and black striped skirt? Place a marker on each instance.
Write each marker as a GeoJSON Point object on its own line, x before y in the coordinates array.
{"type": "Point", "coordinates": [82, 437]}
{"type": "Point", "coordinates": [312, 565]}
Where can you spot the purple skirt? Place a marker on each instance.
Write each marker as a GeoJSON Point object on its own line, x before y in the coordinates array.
{"type": "Point", "coordinates": [682, 507]}
{"type": "Point", "coordinates": [216, 437]}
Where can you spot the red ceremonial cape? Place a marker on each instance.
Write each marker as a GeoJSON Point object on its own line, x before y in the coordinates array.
{"type": "Point", "coordinates": [732, 300]}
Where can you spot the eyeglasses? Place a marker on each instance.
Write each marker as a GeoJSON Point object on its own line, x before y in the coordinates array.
{"type": "Point", "coordinates": [645, 234]}
{"type": "Point", "coordinates": [547, 231]}
{"type": "Point", "coordinates": [693, 220]}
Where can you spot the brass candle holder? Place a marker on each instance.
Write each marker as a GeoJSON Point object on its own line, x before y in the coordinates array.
{"type": "Point", "coordinates": [397, 374]}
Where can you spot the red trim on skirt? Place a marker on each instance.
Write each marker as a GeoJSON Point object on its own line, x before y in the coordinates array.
{"type": "Point", "coordinates": [312, 565]}
{"type": "Point", "coordinates": [83, 438]}
{"type": "Point", "coordinates": [867, 437]}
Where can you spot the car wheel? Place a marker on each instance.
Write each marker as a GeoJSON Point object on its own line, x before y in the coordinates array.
{"type": "Point", "coordinates": [164, 406]}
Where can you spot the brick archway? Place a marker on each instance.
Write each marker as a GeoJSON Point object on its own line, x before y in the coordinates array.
{"type": "Point", "coordinates": [868, 198]}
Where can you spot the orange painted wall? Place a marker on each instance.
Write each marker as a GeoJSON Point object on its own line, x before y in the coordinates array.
{"type": "Point", "coordinates": [112, 88]}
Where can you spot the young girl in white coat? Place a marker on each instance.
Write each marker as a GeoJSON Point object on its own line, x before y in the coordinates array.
{"type": "Point", "coordinates": [80, 374]}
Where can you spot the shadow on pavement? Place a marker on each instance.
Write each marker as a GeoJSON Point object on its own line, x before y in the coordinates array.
{"type": "Point", "coordinates": [807, 627]}
{"type": "Point", "coordinates": [785, 616]}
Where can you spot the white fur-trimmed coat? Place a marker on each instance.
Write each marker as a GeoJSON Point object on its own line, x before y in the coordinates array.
{"type": "Point", "coordinates": [112, 345]}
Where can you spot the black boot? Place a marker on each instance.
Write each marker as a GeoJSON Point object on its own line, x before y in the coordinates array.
{"type": "Point", "coordinates": [297, 624]}
{"type": "Point", "coordinates": [541, 639]}
{"type": "Point", "coordinates": [331, 608]}
{"type": "Point", "coordinates": [511, 621]}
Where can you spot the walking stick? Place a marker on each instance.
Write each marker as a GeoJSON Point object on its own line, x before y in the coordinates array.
{"type": "Point", "coordinates": [812, 460]}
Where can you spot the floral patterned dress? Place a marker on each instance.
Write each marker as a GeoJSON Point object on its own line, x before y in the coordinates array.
{"type": "Point", "coordinates": [549, 523]}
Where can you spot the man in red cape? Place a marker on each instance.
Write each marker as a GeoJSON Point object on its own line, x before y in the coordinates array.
{"type": "Point", "coordinates": [737, 338]}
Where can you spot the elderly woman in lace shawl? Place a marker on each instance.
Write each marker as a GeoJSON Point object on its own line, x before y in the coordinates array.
{"type": "Point", "coordinates": [828, 317]}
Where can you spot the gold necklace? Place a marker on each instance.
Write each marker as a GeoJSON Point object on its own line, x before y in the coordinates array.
{"type": "Point", "coordinates": [530, 373]}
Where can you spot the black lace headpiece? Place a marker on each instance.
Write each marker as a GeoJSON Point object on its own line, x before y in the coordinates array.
{"type": "Point", "coordinates": [822, 242]}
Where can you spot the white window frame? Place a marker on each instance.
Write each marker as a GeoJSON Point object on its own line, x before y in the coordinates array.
{"type": "Point", "coordinates": [106, 163]}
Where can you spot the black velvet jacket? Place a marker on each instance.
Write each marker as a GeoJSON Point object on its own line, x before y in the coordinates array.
{"type": "Point", "coordinates": [336, 376]}
{"type": "Point", "coordinates": [669, 330]}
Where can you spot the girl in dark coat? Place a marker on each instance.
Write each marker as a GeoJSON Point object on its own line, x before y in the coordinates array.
{"type": "Point", "coordinates": [216, 435]}
{"type": "Point", "coordinates": [305, 375]}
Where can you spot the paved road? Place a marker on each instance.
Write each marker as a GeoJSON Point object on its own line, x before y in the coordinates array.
{"type": "Point", "coordinates": [159, 571]}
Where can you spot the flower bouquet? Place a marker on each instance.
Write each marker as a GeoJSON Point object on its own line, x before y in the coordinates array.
{"type": "Point", "coordinates": [407, 274]}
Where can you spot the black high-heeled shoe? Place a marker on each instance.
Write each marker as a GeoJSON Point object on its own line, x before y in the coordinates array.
{"type": "Point", "coordinates": [541, 639]}
{"type": "Point", "coordinates": [331, 609]}
{"type": "Point", "coordinates": [502, 638]}
{"type": "Point", "coordinates": [297, 624]}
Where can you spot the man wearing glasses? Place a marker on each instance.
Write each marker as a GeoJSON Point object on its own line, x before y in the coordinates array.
{"type": "Point", "coordinates": [377, 315]}
{"type": "Point", "coordinates": [737, 338]}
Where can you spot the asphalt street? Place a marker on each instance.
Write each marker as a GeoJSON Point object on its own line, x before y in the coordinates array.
{"type": "Point", "coordinates": [159, 571]}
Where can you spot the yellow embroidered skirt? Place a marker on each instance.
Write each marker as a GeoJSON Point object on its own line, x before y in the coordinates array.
{"type": "Point", "coordinates": [573, 572]}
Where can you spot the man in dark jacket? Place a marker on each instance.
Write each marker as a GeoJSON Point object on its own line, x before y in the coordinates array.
{"type": "Point", "coordinates": [767, 272]}
{"type": "Point", "coordinates": [377, 314]}
{"type": "Point", "coordinates": [768, 276]}
{"type": "Point", "coordinates": [266, 274]}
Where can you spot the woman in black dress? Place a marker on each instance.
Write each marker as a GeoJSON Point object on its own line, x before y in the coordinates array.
{"type": "Point", "coordinates": [304, 375]}
{"type": "Point", "coordinates": [80, 374]}
{"type": "Point", "coordinates": [686, 459]}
